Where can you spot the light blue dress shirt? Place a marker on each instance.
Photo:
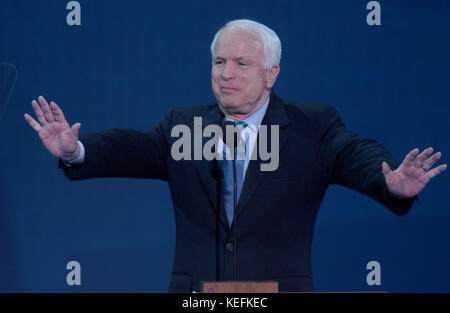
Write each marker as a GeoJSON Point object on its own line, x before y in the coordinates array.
{"type": "Point", "coordinates": [253, 121]}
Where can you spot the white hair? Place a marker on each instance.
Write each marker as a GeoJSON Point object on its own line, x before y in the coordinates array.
{"type": "Point", "coordinates": [270, 40]}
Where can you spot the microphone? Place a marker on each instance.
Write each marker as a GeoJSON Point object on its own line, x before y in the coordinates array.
{"type": "Point", "coordinates": [8, 76]}
{"type": "Point", "coordinates": [232, 145]}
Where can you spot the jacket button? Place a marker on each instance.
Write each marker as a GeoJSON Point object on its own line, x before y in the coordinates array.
{"type": "Point", "coordinates": [229, 246]}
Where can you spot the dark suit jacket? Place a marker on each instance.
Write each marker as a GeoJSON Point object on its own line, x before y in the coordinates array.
{"type": "Point", "coordinates": [276, 210]}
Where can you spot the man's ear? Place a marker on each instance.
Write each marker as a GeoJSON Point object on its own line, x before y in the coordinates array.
{"type": "Point", "coordinates": [272, 75]}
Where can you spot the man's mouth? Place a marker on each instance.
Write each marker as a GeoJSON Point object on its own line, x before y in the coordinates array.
{"type": "Point", "coordinates": [228, 89]}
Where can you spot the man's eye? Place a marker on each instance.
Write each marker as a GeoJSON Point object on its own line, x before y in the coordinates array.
{"type": "Point", "coordinates": [218, 62]}
{"type": "Point", "coordinates": [242, 64]}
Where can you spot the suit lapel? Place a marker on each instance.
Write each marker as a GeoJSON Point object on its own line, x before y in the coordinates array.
{"type": "Point", "coordinates": [275, 115]}
{"type": "Point", "coordinates": [207, 170]}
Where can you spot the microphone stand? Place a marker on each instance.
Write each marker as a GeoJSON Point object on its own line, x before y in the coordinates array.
{"type": "Point", "coordinates": [234, 154]}
{"type": "Point", "coordinates": [234, 215]}
{"type": "Point", "coordinates": [8, 77]}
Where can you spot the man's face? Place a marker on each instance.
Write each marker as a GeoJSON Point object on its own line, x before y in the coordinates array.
{"type": "Point", "coordinates": [239, 79]}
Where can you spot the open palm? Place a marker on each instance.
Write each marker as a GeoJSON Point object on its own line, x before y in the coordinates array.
{"type": "Point", "coordinates": [413, 174]}
{"type": "Point", "coordinates": [57, 136]}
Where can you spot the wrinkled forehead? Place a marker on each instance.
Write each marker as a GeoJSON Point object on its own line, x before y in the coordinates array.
{"type": "Point", "coordinates": [235, 42]}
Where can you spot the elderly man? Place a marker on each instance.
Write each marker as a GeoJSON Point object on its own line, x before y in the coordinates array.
{"type": "Point", "coordinates": [276, 210]}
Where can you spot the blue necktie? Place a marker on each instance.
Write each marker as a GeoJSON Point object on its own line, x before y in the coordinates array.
{"type": "Point", "coordinates": [226, 179]}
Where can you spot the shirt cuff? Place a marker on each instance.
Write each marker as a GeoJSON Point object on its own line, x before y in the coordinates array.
{"type": "Point", "coordinates": [80, 158]}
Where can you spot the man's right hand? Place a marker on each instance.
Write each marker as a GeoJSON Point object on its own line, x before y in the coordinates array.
{"type": "Point", "coordinates": [56, 134]}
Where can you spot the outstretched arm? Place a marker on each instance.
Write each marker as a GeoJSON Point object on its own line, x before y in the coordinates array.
{"type": "Point", "coordinates": [112, 153]}
{"type": "Point", "coordinates": [361, 164]}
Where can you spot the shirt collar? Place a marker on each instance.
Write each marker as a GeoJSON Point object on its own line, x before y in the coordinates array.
{"type": "Point", "coordinates": [254, 120]}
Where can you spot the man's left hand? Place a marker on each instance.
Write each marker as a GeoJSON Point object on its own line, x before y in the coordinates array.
{"type": "Point", "coordinates": [413, 174]}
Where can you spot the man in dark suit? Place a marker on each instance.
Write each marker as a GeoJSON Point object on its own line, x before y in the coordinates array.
{"type": "Point", "coordinates": [276, 209]}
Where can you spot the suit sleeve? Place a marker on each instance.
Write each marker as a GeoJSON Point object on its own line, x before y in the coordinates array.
{"type": "Point", "coordinates": [123, 153]}
{"type": "Point", "coordinates": [355, 162]}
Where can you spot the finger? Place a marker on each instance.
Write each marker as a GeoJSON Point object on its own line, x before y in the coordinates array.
{"type": "Point", "coordinates": [75, 129]}
{"type": "Point", "coordinates": [46, 109]}
{"type": "Point", "coordinates": [36, 126]}
{"type": "Point", "coordinates": [57, 112]}
{"type": "Point", "coordinates": [418, 162]}
{"type": "Point", "coordinates": [431, 160]}
{"type": "Point", "coordinates": [386, 169]}
{"type": "Point", "coordinates": [409, 158]}
{"type": "Point", "coordinates": [39, 113]}
{"type": "Point", "coordinates": [436, 171]}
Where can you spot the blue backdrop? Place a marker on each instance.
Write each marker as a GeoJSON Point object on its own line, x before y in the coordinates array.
{"type": "Point", "coordinates": [130, 61]}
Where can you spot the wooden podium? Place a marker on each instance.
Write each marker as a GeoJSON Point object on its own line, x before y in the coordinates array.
{"type": "Point", "coordinates": [239, 286]}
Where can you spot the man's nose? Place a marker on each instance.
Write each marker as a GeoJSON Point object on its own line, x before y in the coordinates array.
{"type": "Point", "coordinates": [228, 72]}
